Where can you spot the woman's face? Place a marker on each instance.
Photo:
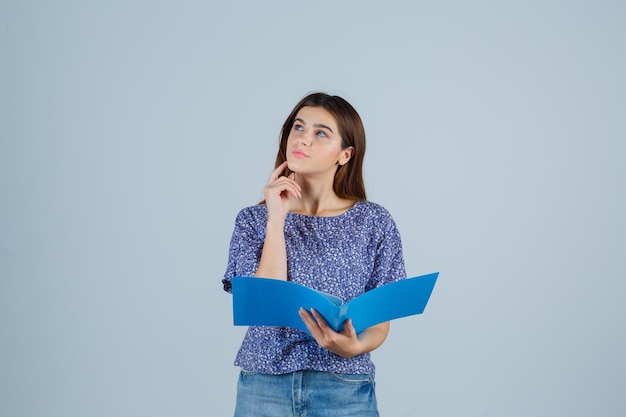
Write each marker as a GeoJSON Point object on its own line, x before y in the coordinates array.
{"type": "Point", "coordinates": [314, 143]}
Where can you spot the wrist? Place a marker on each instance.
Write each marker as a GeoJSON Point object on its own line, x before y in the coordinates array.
{"type": "Point", "coordinates": [275, 223]}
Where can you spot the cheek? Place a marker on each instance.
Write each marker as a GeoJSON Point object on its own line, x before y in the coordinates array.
{"type": "Point", "coordinates": [332, 155]}
{"type": "Point", "coordinates": [292, 138]}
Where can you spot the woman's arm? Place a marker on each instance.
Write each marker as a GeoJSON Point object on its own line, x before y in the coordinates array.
{"type": "Point", "coordinates": [273, 262]}
{"type": "Point", "coordinates": [345, 343]}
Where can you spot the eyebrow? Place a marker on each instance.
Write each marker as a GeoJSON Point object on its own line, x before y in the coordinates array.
{"type": "Point", "coordinates": [315, 125]}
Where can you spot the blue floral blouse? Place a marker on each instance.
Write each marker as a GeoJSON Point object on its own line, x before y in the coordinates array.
{"type": "Point", "coordinates": [344, 255]}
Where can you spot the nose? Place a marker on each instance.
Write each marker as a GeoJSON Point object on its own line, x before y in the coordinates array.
{"type": "Point", "coordinates": [303, 140]}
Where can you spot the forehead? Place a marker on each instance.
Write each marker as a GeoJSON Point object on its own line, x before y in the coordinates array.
{"type": "Point", "coordinates": [317, 115]}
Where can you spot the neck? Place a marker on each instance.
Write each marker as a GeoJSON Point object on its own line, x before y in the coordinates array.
{"type": "Point", "coordinates": [318, 200]}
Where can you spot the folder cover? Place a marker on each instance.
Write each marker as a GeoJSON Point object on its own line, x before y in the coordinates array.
{"type": "Point", "coordinates": [273, 302]}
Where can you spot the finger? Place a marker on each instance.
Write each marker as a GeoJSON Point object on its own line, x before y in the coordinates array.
{"type": "Point", "coordinates": [282, 185]}
{"type": "Point", "coordinates": [321, 321]}
{"type": "Point", "coordinates": [310, 323]}
{"type": "Point", "coordinates": [304, 314]}
{"type": "Point", "coordinates": [276, 173]}
{"type": "Point", "coordinates": [286, 184]}
{"type": "Point", "coordinates": [348, 328]}
{"type": "Point", "coordinates": [292, 178]}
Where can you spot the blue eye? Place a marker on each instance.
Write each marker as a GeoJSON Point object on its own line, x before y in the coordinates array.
{"type": "Point", "coordinates": [321, 134]}
{"type": "Point", "coordinates": [298, 127]}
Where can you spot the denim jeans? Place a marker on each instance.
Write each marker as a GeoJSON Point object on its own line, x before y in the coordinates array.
{"type": "Point", "coordinates": [305, 394]}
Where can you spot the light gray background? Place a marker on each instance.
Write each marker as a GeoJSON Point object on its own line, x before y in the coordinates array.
{"type": "Point", "coordinates": [132, 133]}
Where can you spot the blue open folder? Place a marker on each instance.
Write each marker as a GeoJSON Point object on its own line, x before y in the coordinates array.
{"type": "Point", "coordinates": [272, 302]}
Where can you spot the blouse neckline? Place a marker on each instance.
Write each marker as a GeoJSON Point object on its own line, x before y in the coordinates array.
{"type": "Point", "coordinates": [345, 213]}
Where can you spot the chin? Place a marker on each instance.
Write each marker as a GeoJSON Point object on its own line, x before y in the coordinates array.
{"type": "Point", "coordinates": [292, 165]}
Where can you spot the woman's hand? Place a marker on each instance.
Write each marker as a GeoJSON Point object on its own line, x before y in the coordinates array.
{"type": "Point", "coordinates": [277, 192]}
{"type": "Point", "coordinates": [345, 343]}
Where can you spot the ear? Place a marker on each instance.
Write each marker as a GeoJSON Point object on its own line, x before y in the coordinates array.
{"type": "Point", "coordinates": [345, 155]}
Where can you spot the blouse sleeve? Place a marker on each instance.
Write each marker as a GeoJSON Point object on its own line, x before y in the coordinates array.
{"type": "Point", "coordinates": [246, 246]}
{"type": "Point", "coordinates": [389, 259]}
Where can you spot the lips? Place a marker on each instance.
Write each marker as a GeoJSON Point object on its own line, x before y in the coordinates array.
{"type": "Point", "coordinates": [299, 154]}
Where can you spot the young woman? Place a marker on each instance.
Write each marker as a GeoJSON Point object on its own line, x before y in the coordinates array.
{"type": "Point", "coordinates": [315, 227]}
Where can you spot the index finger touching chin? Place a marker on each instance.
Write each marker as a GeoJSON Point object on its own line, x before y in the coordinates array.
{"type": "Point", "coordinates": [276, 173]}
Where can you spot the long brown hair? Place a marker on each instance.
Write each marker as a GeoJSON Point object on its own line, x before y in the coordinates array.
{"type": "Point", "coordinates": [348, 181]}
